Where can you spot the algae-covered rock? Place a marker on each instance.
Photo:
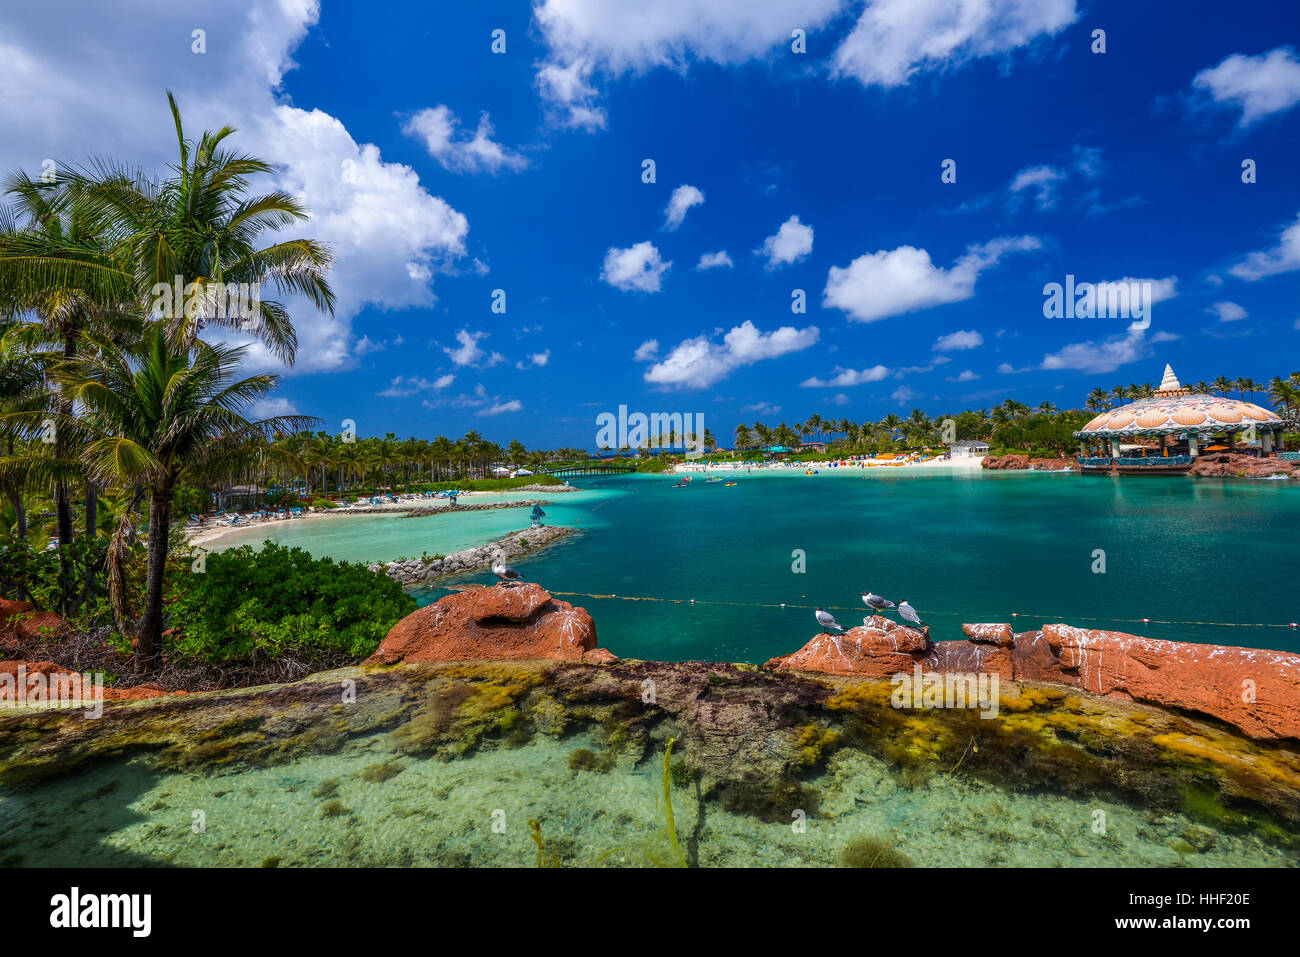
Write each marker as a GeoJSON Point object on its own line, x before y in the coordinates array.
{"type": "Point", "coordinates": [747, 741]}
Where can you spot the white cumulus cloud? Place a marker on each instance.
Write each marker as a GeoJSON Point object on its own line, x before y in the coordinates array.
{"type": "Point", "coordinates": [468, 352]}
{"type": "Point", "coordinates": [787, 245]}
{"type": "Point", "coordinates": [847, 377]}
{"type": "Point", "coordinates": [438, 128]}
{"type": "Point", "coordinates": [1284, 257]}
{"type": "Point", "coordinates": [961, 339]}
{"type": "Point", "coordinates": [638, 267]}
{"type": "Point", "coordinates": [896, 39]}
{"type": "Point", "coordinates": [714, 260]}
{"type": "Point", "coordinates": [1259, 86]}
{"type": "Point", "coordinates": [896, 281]}
{"type": "Point", "coordinates": [683, 198]}
{"type": "Point", "coordinates": [700, 362]}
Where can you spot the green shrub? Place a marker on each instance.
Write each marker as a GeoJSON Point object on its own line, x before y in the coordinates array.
{"type": "Point", "coordinates": [319, 502]}
{"type": "Point", "coordinates": [280, 601]}
{"type": "Point", "coordinates": [30, 575]}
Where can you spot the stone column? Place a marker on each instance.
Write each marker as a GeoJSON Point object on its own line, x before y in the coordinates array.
{"type": "Point", "coordinates": [1114, 448]}
{"type": "Point", "coordinates": [1266, 442]}
{"type": "Point", "coordinates": [1193, 446]}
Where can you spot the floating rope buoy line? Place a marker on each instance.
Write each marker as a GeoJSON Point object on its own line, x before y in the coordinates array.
{"type": "Point", "coordinates": [1014, 614]}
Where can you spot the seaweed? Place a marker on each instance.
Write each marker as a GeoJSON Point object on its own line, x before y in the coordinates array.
{"type": "Point", "coordinates": [546, 854]}
{"type": "Point", "coordinates": [379, 773]}
{"type": "Point", "coordinates": [873, 852]}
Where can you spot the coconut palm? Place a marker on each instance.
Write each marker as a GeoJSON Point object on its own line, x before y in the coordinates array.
{"type": "Point", "coordinates": [744, 438]}
{"type": "Point", "coordinates": [198, 231]}
{"type": "Point", "coordinates": [148, 414]}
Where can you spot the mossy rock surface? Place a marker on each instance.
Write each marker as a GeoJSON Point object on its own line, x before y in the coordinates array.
{"type": "Point", "coordinates": [751, 741]}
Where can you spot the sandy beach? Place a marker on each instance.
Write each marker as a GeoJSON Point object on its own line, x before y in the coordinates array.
{"type": "Point", "coordinates": [831, 466]}
{"type": "Point", "coordinates": [205, 535]}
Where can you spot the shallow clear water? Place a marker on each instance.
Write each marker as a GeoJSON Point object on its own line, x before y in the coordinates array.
{"type": "Point", "coordinates": [961, 547]}
{"type": "Point", "coordinates": [376, 537]}
{"type": "Point", "coordinates": [474, 811]}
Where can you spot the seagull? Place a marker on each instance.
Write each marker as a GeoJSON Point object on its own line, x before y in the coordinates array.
{"type": "Point", "coordinates": [908, 613]}
{"type": "Point", "coordinates": [876, 602]}
{"type": "Point", "coordinates": [827, 620]}
{"type": "Point", "coordinates": [505, 574]}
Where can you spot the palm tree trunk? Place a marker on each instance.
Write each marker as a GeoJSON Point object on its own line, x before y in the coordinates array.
{"type": "Point", "coordinates": [148, 651]}
{"type": "Point", "coordinates": [92, 510]}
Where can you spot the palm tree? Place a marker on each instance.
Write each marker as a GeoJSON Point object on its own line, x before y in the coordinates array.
{"type": "Point", "coordinates": [57, 266]}
{"type": "Point", "coordinates": [197, 230]}
{"type": "Point", "coordinates": [1222, 385]}
{"type": "Point", "coordinates": [1097, 400]}
{"type": "Point", "coordinates": [148, 415]}
{"type": "Point", "coordinates": [744, 439]}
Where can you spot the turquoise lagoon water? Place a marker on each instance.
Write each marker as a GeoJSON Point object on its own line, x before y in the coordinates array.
{"type": "Point", "coordinates": [373, 537]}
{"type": "Point", "coordinates": [961, 547]}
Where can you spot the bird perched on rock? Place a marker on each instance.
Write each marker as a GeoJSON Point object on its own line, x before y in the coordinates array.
{"type": "Point", "coordinates": [505, 574]}
{"type": "Point", "coordinates": [875, 602]}
{"type": "Point", "coordinates": [827, 620]}
{"type": "Point", "coordinates": [908, 613]}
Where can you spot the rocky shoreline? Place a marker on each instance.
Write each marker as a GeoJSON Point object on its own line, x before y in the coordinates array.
{"type": "Point", "coordinates": [415, 571]}
{"type": "Point", "coordinates": [419, 511]}
{"type": "Point", "coordinates": [1096, 716]}
{"type": "Point", "coordinates": [1017, 461]}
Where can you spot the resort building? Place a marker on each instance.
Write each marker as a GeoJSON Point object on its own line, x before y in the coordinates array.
{"type": "Point", "coordinates": [968, 448]}
{"type": "Point", "coordinates": [1167, 432]}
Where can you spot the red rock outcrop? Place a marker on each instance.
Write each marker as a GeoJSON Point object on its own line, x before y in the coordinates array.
{"type": "Point", "coordinates": [1020, 461]}
{"type": "Point", "coordinates": [1255, 690]}
{"type": "Point", "coordinates": [505, 621]}
{"type": "Point", "coordinates": [50, 673]}
{"type": "Point", "coordinates": [879, 647]}
{"type": "Point", "coordinates": [1236, 465]}
{"type": "Point", "coordinates": [20, 624]}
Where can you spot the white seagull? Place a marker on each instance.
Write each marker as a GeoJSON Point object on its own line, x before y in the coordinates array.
{"type": "Point", "coordinates": [908, 613]}
{"type": "Point", "coordinates": [827, 620]}
{"type": "Point", "coordinates": [505, 574]}
{"type": "Point", "coordinates": [876, 602]}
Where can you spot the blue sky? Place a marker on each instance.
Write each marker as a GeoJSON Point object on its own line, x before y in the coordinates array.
{"type": "Point", "coordinates": [441, 171]}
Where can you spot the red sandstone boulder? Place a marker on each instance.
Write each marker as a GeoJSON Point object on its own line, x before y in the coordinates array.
{"type": "Point", "coordinates": [503, 622]}
{"type": "Point", "coordinates": [1018, 460]}
{"type": "Point", "coordinates": [1256, 690]}
{"type": "Point", "coordinates": [1004, 462]}
{"type": "Point", "coordinates": [879, 647]}
{"type": "Point", "coordinates": [993, 634]}
{"type": "Point", "coordinates": [20, 624]}
{"type": "Point", "coordinates": [51, 672]}
{"type": "Point", "coordinates": [1233, 464]}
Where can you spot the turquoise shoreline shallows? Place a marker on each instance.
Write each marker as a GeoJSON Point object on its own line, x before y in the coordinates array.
{"type": "Point", "coordinates": [962, 547]}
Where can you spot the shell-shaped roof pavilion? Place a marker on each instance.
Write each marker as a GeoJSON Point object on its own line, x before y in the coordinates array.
{"type": "Point", "coordinates": [1173, 409]}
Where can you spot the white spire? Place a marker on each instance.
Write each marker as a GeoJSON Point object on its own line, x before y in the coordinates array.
{"type": "Point", "coordinates": [1170, 382]}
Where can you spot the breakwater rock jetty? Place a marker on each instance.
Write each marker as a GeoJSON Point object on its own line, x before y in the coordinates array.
{"type": "Point", "coordinates": [414, 571]}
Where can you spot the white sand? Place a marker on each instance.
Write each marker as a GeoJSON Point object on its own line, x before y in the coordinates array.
{"type": "Point", "coordinates": [212, 530]}
{"type": "Point", "coordinates": [824, 467]}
